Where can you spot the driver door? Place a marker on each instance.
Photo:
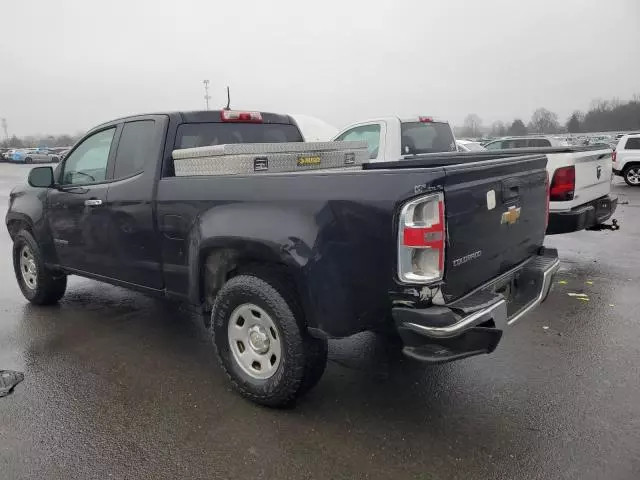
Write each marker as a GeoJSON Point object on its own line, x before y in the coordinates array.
{"type": "Point", "coordinates": [77, 218]}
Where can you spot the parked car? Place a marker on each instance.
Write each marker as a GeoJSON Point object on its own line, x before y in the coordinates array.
{"type": "Point", "coordinates": [279, 262]}
{"type": "Point", "coordinates": [37, 155]}
{"type": "Point", "coordinates": [626, 159]}
{"type": "Point", "coordinates": [34, 155]}
{"type": "Point", "coordinates": [524, 142]}
{"type": "Point", "coordinates": [17, 155]}
{"type": "Point", "coordinates": [469, 146]}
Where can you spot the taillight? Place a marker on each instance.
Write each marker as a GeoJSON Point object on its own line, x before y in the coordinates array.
{"type": "Point", "coordinates": [563, 184]}
{"type": "Point", "coordinates": [547, 194]}
{"type": "Point", "coordinates": [235, 116]}
{"type": "Point", "coordinates": [613, 156]}
{"type": "Point", "coordinates": [421, 240]}
{"type": "Point", "coordinates": [425, 119]}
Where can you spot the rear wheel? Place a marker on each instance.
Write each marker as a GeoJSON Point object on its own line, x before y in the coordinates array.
{"type": "Point", "coordinates": [631, 175]}
{"type": "Point", "coordinates": [28, 160]}
{"type": "Point", "coordinates": [258, 332]}
{"type": "Point", "coordinates": [38, 284]}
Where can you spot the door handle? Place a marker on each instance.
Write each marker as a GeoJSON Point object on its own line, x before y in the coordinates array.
{"type": "Point", "coordinates": [93, 202]}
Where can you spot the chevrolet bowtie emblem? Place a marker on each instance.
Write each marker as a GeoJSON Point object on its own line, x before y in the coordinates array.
{"type": "Point", "coordinates": [511, 216]}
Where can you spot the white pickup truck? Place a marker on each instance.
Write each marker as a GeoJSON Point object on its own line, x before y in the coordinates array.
{"type": "Point", "coordinates": [392, 138]}
{"type": "Point", "coordinates": [580, 181]}
{"type": "Point", "coordinates": [580, 176]}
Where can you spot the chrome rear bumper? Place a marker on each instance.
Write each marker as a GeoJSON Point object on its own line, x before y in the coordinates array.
{"type": "Point", "coordinates": [484, 313]}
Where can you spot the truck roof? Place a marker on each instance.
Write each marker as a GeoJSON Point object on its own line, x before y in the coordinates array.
{"type": "Point", "coordinates": [203, 116]}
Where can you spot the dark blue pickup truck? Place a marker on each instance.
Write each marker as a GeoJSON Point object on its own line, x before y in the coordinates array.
{"type": "Point", "coordinates": [446, 252]}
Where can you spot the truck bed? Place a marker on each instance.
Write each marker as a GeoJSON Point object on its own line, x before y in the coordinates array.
{"type": "Point", "coordinates": [338, 227]}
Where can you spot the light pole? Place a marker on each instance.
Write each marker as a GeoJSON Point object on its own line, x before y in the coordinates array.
{"type": "Point", "coordinates": [206, 93]}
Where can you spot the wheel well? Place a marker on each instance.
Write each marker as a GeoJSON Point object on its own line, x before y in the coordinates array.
{"type": "Point", "coordinates": [221, 264]}
{"type": "Point", "coordinates": [629, 165]}
{"type": "Point", "coordinates": [14, 226]}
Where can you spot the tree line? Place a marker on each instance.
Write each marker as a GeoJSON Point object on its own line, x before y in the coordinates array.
{"type": "Point", "coordinates": [33, 141]}
{"type": "Point", "coordinates": [602, 116]}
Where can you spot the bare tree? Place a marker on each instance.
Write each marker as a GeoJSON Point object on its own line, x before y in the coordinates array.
{"type": "Point", "coordinates": [544, 121]}
{"type": "Point", "coordinates": [498, 129]}
{"type": "Point", "coordinates": [472, 125]}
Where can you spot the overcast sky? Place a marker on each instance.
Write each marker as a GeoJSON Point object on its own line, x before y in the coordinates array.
{"type": "Point", "coordinates": [66, 65]}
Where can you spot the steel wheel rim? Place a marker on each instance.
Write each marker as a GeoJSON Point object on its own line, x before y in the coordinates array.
{"type": "Point", "coordinates": [28, 268]}
{"type": "Point", "coordinates": [255, 341]}
{"type": "Point", "coordinates": [633, 175]}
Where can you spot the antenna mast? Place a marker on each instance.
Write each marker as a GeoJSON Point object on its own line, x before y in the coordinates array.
{"type": "Point", "coordinates": [228, 107]}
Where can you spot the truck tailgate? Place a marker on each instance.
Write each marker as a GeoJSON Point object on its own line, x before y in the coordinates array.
{"type": "Point", "coordinates": [496, 218]}
{"type": "Point", "coordinates": [593, 175]}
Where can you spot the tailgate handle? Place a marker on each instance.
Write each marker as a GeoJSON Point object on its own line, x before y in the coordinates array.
{"type": "Point", "coordinates": [511, 190]}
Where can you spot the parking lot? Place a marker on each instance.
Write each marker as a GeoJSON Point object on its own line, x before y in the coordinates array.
{"type": "Point", "coordinates": [118, 385]}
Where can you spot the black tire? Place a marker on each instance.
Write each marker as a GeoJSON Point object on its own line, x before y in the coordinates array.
{"type": "Point", "coordinates": [635, 169]}
{"type": "Point", "coordinates": [49, 286]}
{"type": "Point", "coordinates": [303, 359]}
{"type": "Point", "coordinates": [28, 160]}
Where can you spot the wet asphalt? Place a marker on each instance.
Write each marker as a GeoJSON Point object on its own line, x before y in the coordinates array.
{"type": "Point", "coordinates": [118, 385]}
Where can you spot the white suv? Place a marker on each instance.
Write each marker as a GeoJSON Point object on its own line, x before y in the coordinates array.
{"type": "Point", "coordinates": [626, 159]}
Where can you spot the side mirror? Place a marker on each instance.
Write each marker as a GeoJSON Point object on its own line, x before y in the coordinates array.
{"type": "Point", "coordinates": [41, 177]}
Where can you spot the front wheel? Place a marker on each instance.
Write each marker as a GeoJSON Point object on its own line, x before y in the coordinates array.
{"type": "Point", "coordinates": [38, 284]}
{"type": "Point", "coordinates": [28, 160]}
{"type": "Point", "coordinates": [632, 175]}
{"type": "Point", "coordinates": [261, 343]}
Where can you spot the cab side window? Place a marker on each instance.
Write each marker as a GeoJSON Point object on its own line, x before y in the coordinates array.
{"type": "Point", "coordinates": [494, 145]}
{"type": "Point", "coordinates": [136, 147]}
{"type": "Point", "coordinates": [88, 163]}
{"type": "Point", "coordinates": [366, 133]}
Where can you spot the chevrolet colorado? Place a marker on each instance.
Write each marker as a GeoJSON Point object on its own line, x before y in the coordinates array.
{"type": "Point", "coordinates": [447, 252]}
